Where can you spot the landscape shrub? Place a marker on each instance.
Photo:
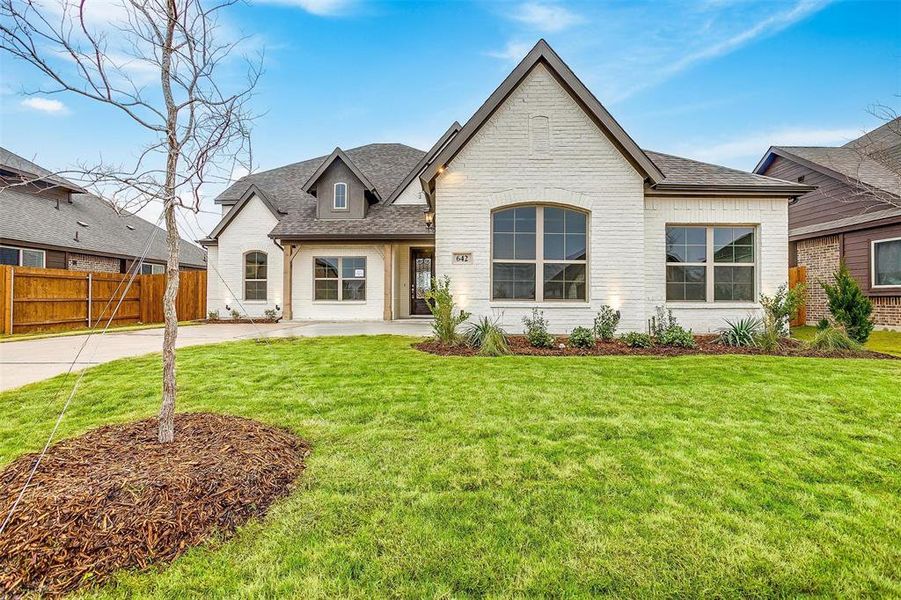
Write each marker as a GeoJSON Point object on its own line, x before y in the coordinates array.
{"type": "Point", "coordinates": [833, 338]}
{"type": "Point", "coordinates": [605, 323]}
{"type": "Point", "coordinates": [741, 333]}
{"type": "Point", "coordinates": [848, 306]}
{"type": "Point", "coordinates": [634, 339]}
{"type": "Point", "coordinates": [235, 314]}
{"type": "Point", "coordinates": [581, 337]}
{"type": "Point", "coordinates": [213, 315]}
{"type": "Point", "coordinates": [779, 308]}
{"type": "Point", "coordinates": [486, 335]}
{"type": "Point", "coordinates": [661, 321]}
{"type": "Point", "coordinates": [536, 330]}
{"type": "Point", "coordinates": [271, 314]}
{"type": "Point", "coordinates": [823, 324]}
{"type": "Point", "coordinates": [678, 337]}
{"type": "Point", "coordinates": [441, 303]}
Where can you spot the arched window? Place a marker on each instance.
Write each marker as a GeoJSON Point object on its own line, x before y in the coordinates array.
{"type": "Point", "coordinates": [255, 275]}
{"type": "Point", "coordinates": [340, 196]}
{"type": "Point", "coordinates": [539, 253]}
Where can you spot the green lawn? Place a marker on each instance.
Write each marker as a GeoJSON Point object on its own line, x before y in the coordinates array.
{"type": "Point", "coordinates": [883, 340]}
{"type": "Point", "coordinates": [715, 476]}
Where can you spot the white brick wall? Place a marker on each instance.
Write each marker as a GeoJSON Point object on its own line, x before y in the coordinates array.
{"type": "Point", "coordinates": [770, 216]}
{"type": "Point", "coordinates": [249, 230]}
{"type": "Point", "coordinates": [583, 169]}
{"type": "Point", "coordinates": [305, 308]}
{"type": "Point", "coordinates": [412, 194]}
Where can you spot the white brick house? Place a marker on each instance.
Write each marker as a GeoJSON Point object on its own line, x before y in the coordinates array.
{"type": "Point", "coordinates": [539, 200]}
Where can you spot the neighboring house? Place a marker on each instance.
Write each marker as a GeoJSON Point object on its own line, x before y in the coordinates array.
{"type": "Point", "coordinates": [853, 215]}
{"type": "Point", "coordinates": [540, 200]}
{"type": "Point", "coordinates": [48, 221]}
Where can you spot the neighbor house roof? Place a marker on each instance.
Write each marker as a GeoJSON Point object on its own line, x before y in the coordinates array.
{"type": "Point", "coordinates": [34, 219]}
{"type": "Point", "coordinates": [29, 171]}
{"type": "Point", "coordinates": [385, 166]}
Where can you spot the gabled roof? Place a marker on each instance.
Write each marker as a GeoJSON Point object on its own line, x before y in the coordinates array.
{"type": "Point", "coordinates": [687, 175]}
{"type": "Point", "coordinates": [338, 154]}
{"type": "Point", "coordinates": [542, 53]}
{"type": "Point", "coordinates": [11, 161]}
{"type": "Point", "coordinates": [34, 219]}
{"type": "Point", "coordinates": [252, 191]}
{"type": "Point", "coordinates": [427, 159]}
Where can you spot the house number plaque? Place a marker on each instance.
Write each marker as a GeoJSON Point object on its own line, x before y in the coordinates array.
{"type": "Point", "coordinates": [462, 258]}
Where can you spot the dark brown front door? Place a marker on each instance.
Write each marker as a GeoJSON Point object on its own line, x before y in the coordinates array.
{"type": "Point", "coordinates": [422, 270]}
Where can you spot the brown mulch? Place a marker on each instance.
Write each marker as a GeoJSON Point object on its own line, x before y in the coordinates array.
{"type": "Point", "coordinates": [115, 498]}
{"type": "Point", "coordinates": [240, 321]}
{"type": "Point", "coordinates": [707, 344]}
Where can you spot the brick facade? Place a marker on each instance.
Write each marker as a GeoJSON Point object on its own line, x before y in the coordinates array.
{"type": "Point", "coordinates": [88, 262]}
{"type": "Point", "coordinates": [887, 311]}
{"type": "Point", "coordinates": [821, 256]}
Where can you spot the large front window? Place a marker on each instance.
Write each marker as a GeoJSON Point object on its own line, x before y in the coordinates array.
{"type": "Point", "coordinates": [710, 264]}
{"type": "Point", "coordinates": [539, 253]}
{"type": "Point", "coordinates": [887, 263]}
{"type": "Point", "coordinates": [255, 274]}
{"type": "Point", "coordinates": [340, 278]}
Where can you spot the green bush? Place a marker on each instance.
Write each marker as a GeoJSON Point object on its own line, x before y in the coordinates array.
{"type": "Point", "coordinates": [634, 339]}
{"type": "Point", "coordinates": [778, 310]}
{"type": "Point", "coordinates": [271, 313]}
{"type": "Point", "coordinates": [486, 335]}
{"type": "Point", "coordinates": [741, 333]}
{"type": "Point", "coordinates": [678, 337]}
{"type": "Point", "coordinates": [833, 338]}
{"type": "Point", "coordinates": [605, 323]}
{"type": "Point", "coordinates": [441, 303]}
{"type": "Point", "coordinates": [848, 306]}
{"type": "Point", "coordinates": [536, 330]}
{"type": "Point", "coordinates": [235, 314]}
{"type": "Point", "coordinates": [823, 324]}
{"type": "Point", "coordinates": [581, 337]}
{"type": "Point", "coordinates": [213, 315]}
{"type": "Point", "coordinates": [661, 321]}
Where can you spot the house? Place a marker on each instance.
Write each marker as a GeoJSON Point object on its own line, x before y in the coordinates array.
{"type": "Point", "coordinates": [854, 214]}
{"type": "Point", "coordinates": [50, 222]}
{"type": "Point", "coordinates": [541, 200]}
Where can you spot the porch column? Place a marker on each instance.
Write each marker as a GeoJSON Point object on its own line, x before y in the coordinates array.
{"type": "Point", "coordinates": [389, 282]}
{"type": "Point", "coordinates": [291, 251]}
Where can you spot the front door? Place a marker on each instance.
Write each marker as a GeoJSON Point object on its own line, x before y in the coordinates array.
{"type": "Point", "coordinates": [422, 270]}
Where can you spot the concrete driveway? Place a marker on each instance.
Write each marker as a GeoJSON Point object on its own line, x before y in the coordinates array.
{"type": "Point", "coordinates": [27, 361]}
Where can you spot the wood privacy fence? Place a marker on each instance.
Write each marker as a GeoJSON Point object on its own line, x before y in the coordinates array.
{"type": "Point", "coordinates": [33, 299]}
{"type": "Point", "coordinates": [798, 275]}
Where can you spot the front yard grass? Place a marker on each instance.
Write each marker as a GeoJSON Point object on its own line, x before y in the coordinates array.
{"type": "Point", "coordinates": [461, 477]}
{"type": "Point", "coordinates": [881, 340]}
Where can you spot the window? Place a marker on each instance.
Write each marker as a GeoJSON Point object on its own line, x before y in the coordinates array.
{"type": "Point", "coordinates": [340, 196]}
{"type": "Point", "coordinates": [710, 264]}
{"type": "Point", "coordinates": [339, 278]}
{"type": "Point", "coordinates": [22, 257]}
{"type": "Point", "coordinates": [887, 263]}
{"type": "Point", "coordinates": [528, 241]}
{"type": "Point", "coordinates": [255, 275]}
{"type": "Point", "coordinates": [152, 269]}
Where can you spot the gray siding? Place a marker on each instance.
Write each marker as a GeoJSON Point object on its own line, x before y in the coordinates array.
{"type": "Point", "coordinates": [856, 252]}
{"type": "Point", "coordinates": [357, 205]}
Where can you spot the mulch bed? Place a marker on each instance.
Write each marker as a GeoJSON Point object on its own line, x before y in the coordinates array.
{"type": "Point", "coordinates": [707, 344]}
{"type": "Point", "coordinates": [115, 498]}
{"type": "Point", "coordinates": [239, 321]}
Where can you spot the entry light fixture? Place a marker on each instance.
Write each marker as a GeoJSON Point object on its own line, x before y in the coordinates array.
{"type": "Point", "coordinates": [429, 219]}
{"type": "Point", "coordinates": [441, 169]}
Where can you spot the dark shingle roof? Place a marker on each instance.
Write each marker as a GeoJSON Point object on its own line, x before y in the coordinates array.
{"type": "Point", "coordinates": [13, 162]}
{"type": "Point", "coordinates": [685, 171]}
{"type": "Point", "coordinates": [385, 165]}
{"type": "Point", "coordinates": [847, 162]}
{"type": "Point", "coordinates": [35, 219]}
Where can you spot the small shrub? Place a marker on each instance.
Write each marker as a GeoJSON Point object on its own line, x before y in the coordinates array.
{"type": "Point", "coordinates": [634, 339]}
{"type": "Point", "coordinates": [271, 314]}
{"type": "Point", "coordinates": [213, 315]}
{"type": "Point", "coordinates": [661, 321]}
{"type": "Point", "coordinates": [441, 303]}
{"type": "Point", "coordinates": [581, 337]}
{"type": "Point", "coordinates": [605, 323]}
{"type": "Point", "coordinates": [235, 314]}
{"type": "Point", "coordinates": [823, 324]}
{"type": "Point", "coordinates": [536, 330]}
{"type": "Point", "coordinates": [848, 306]}
{"type": "Point", "coordinates": [677, 337]}
{"type": "Point", "coordinates": [778, 309]}
{"type": "Point", "coordinates": [833, 338]}
{"type": "Point", "coordinates": [741, 333]}
{"type": "Point", "coordinates": [486, 335]}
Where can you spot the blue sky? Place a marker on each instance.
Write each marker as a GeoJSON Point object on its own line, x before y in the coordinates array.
{"type": "Point", "coordinates": [715, 80]}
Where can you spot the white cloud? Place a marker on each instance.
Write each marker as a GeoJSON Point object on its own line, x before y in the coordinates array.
{"type": "Point", "coordinates": [322, 8]}
{"type": "Point", "coordinates": [513, 51]}
{"type": "Point", "coordinates": [54, 107]}
{"type": "Point", "coordinates": [543, 16]}
{"type": "Point", "coordinates": [743, 151]}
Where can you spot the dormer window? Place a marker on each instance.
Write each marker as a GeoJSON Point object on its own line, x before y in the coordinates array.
{"type": "Point", "coordinates": [340, 196]}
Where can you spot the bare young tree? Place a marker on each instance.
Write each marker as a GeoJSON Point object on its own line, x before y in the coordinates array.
{"type": "Point", "coordinates": [163, 64]}
{"type": "Point", "coordinates": [877, 156]}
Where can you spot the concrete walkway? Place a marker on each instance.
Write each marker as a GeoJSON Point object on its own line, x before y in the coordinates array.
{"type": "Point", "coordinates": [28, 361]}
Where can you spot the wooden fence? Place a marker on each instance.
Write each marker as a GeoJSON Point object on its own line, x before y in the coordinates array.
{"type": "Point", "coordinates": [798, 275]}
{"type": "Point", "coordinates": [33, 300]}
